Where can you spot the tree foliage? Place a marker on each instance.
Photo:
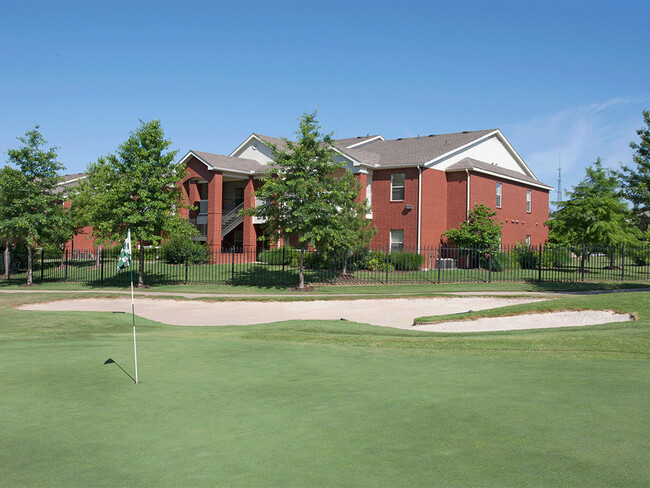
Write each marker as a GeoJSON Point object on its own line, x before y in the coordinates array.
{"type": "Point", "coordinates": [635, 181]}
{"type": "Point", "coordinates": [306, 200]}
{"type": "Point", "coordinates": [480, 231]}
{"type": "Point", "coordinates": [31, 209]}
{"type": "Point", "coordinates": [594, 213]}
{"type": "Point", "coordinates": [136, 188]}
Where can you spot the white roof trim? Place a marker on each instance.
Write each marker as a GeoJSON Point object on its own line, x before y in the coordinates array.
{"type": "Point", "coordinates": [379, 137]}
{"type": "Point", "coordinates": [505, 177]}
{"type": "Point", "coordinates": [243, 144]}
{"type": "Point", "coordinates": [216, 168]}
{"type": "Point", "coordinates": [192, 153]}
{"type": "Point", "coordinates": [501, 137]}
{"type": "Point", "coordinates": [351, 159]}
{"type": "Point", "coordinates": [65, 182]}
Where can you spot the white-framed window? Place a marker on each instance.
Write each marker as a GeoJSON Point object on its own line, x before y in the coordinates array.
{"type": "Point", "coordinates": [528, 241]}
{"type": "Point", "coordinates": [529, 201]}
{"type": "Point", "coordinates": [397, 239]}
{"type": "Point", "coordinates": [499, 194]}
{"type": "Point", "coordinates": [397, 187]}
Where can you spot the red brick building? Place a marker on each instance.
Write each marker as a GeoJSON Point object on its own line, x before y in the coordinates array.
{"type": "Point", "coordinates": [416, 188]}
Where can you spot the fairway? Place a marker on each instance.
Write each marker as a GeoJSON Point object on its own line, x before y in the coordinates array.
{"type": "Point", "coordinates": [323, 403]}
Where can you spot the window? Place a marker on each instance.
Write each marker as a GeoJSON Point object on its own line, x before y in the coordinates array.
{"type": "Point", "coordinates": [397, 187]}
{"type": "Point", "coordinates": [528, 241]}
{"type": "Point", "coordinates": [499, 191]}
{"type": "Point", "coordinates": [369, 190]}
{"type": "Point", "coordinates": [529, 201]}
{"type": "Point", "coordinates": [397, 239]}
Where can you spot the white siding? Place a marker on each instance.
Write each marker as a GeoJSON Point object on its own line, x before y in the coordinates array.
{"type": "Point", "coordinates": [491, 150]}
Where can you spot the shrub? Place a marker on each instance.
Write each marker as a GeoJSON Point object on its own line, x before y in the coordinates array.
{"type": "Point", "coordinates": [640, 256]}
{"type": "Point", "coordinates": [500, 261]}
{"type": "Point", "coordinates": [177, 250]}
{"type": "Point", "coordinates": [527, 257]}
{"type": "Point", "coordinates": [555, 256]}
{"type": "Point", "coordinates": [376, 261]}
{"type": "Point", "coordinates": [287, 256]}
{"type": "Point", "coordinates": [406, 261]}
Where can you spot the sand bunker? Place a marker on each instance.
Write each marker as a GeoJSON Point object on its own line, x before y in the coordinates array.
{"type": "Point", "coordinates": [529, 321]}
{"type": "Point", "coordinates": [388, 312]}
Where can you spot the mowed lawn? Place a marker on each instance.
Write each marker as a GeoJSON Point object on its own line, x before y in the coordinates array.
{"type": "Point", "coordinates": [322, 403]}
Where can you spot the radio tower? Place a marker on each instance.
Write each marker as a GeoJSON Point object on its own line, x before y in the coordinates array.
{"type": "Point", "coordinates": [559, 179]}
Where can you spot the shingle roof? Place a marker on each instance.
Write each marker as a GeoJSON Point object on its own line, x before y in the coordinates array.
{"type": "Point", "coordinates": [231, 163]}
{"type": "Point", "coordinates": [472, 164]}
{"type": "Point", "coordinates": [351, 141]}
{"type": "Point", "coordinates": [413, 150]}
{"type": "Point", "coordinates": [272, 140]}
{"type": "Point", "coordinates": [69, 181]}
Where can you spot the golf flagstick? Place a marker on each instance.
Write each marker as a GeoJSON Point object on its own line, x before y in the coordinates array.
{"type": "Point", "coordinates": [135, 350]}
{"type": "Point", "coordinates": [124, 261]}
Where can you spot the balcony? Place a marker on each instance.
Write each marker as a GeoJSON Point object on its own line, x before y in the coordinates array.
{"type": "Point", "coordinates": [203, 207]}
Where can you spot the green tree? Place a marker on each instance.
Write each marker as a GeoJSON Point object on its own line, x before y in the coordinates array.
{"type": "Point", "coordinates": [36, 210]}
{"type": "Point", "coordinates": [136, 188]}
{"type": "Point", "coordinates": [635, 182]}
{"type": "Point", "coordinates": [594, 213]}
{"type": "Point", "coordinates": [9, 191]}
{"type": "Point", "coordinates": [306, 200]}
{"type": "Point", "coordinates": [481, 230]}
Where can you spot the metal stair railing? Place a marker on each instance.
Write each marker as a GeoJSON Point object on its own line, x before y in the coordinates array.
{"type": "Point", "coordinates": [231, 220]}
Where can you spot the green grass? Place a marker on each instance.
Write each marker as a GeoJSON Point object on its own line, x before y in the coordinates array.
{"type": "Point", "coordinates": [322, 403]}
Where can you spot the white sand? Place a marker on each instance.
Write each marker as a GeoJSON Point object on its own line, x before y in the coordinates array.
{"type": "Point", "coordinates": [387, 312]}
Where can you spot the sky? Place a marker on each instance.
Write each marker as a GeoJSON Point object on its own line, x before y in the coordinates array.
{"type": "Point", "coordinates": [564, 81]}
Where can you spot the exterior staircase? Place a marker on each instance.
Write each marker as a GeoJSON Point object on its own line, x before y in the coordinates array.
{"type": "Point", "coordinates": [231, 218]}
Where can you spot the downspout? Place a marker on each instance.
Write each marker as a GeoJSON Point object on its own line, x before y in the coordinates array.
{"type": "Point", "coordinates": [467, 213]}
{"type": "Point", "coordinates": [419, 204]}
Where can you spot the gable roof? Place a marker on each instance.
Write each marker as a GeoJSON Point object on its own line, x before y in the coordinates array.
{"type": "Point", "coordinates": [413, 151]}
{"type": "Point", "coordinates": [227, 163]}
{"type": "Point", "coordinates": [69, 181]}
{"type": "Point", "coordinates": [488, 168]}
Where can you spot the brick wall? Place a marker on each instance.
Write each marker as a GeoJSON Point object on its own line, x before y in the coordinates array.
{"type": "Point", "coordinates": [387, 215]}
{"type": "Point", "coordinates": [517, 222]}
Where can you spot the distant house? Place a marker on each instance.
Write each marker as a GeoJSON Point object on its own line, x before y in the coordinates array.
{"type": "Point", "coordinates": [417, 188]}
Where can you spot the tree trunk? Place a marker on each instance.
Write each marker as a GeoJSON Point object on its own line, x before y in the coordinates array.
{"type": "Point", "coordinates": [7, 257]}
{"type": "Point", "coordinates": [301, 283]}
{"type": "Point", "coordinates": [98, 257]}
{"type": "Point", "coordinates": [30, 265]}
{"type": "Point", "coordinates": [344, 272]}
{"type": "Point", "coordinates": [141, 270]}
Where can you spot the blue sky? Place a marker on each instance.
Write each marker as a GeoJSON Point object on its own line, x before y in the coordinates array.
{"type": "Point", "coordinates": [565, 79]}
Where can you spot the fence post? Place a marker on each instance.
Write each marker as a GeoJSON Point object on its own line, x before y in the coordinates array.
{"type": "Point", "coordinates": [283, 248]}
{"type": "Point", "coordinates": [539, 264]}
{"type": "Point", "coordinates": [232, 273]}
{"type": "Point", "coordinates": [186, 264]}
{"type": "Point", "coordinates": [439, 261]}
{"type": "Point", "coordinates": [490, 265]}
{"type": "Point", "coordinates": [42, 262]}
{"type": "Point", "coordinates": [582, 263]}
{"type": "Point", "coordinates": [623, 263]}
{"type": "Point", "coordinates": [101, 266]}
{"type": "Point", "coordinates": [387, 257]}
{"type": "Point", "coordinates": [65, 278]}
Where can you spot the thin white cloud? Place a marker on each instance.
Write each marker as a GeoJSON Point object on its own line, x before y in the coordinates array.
{"type": "Point", "coordinates": [578, 135]}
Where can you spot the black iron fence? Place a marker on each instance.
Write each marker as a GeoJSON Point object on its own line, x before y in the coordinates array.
{"type": "Point", "coordinates": [279, 267]}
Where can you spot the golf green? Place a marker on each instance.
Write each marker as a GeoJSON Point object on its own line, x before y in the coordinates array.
{"type": "Point", "coordinates": [321, 404]}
